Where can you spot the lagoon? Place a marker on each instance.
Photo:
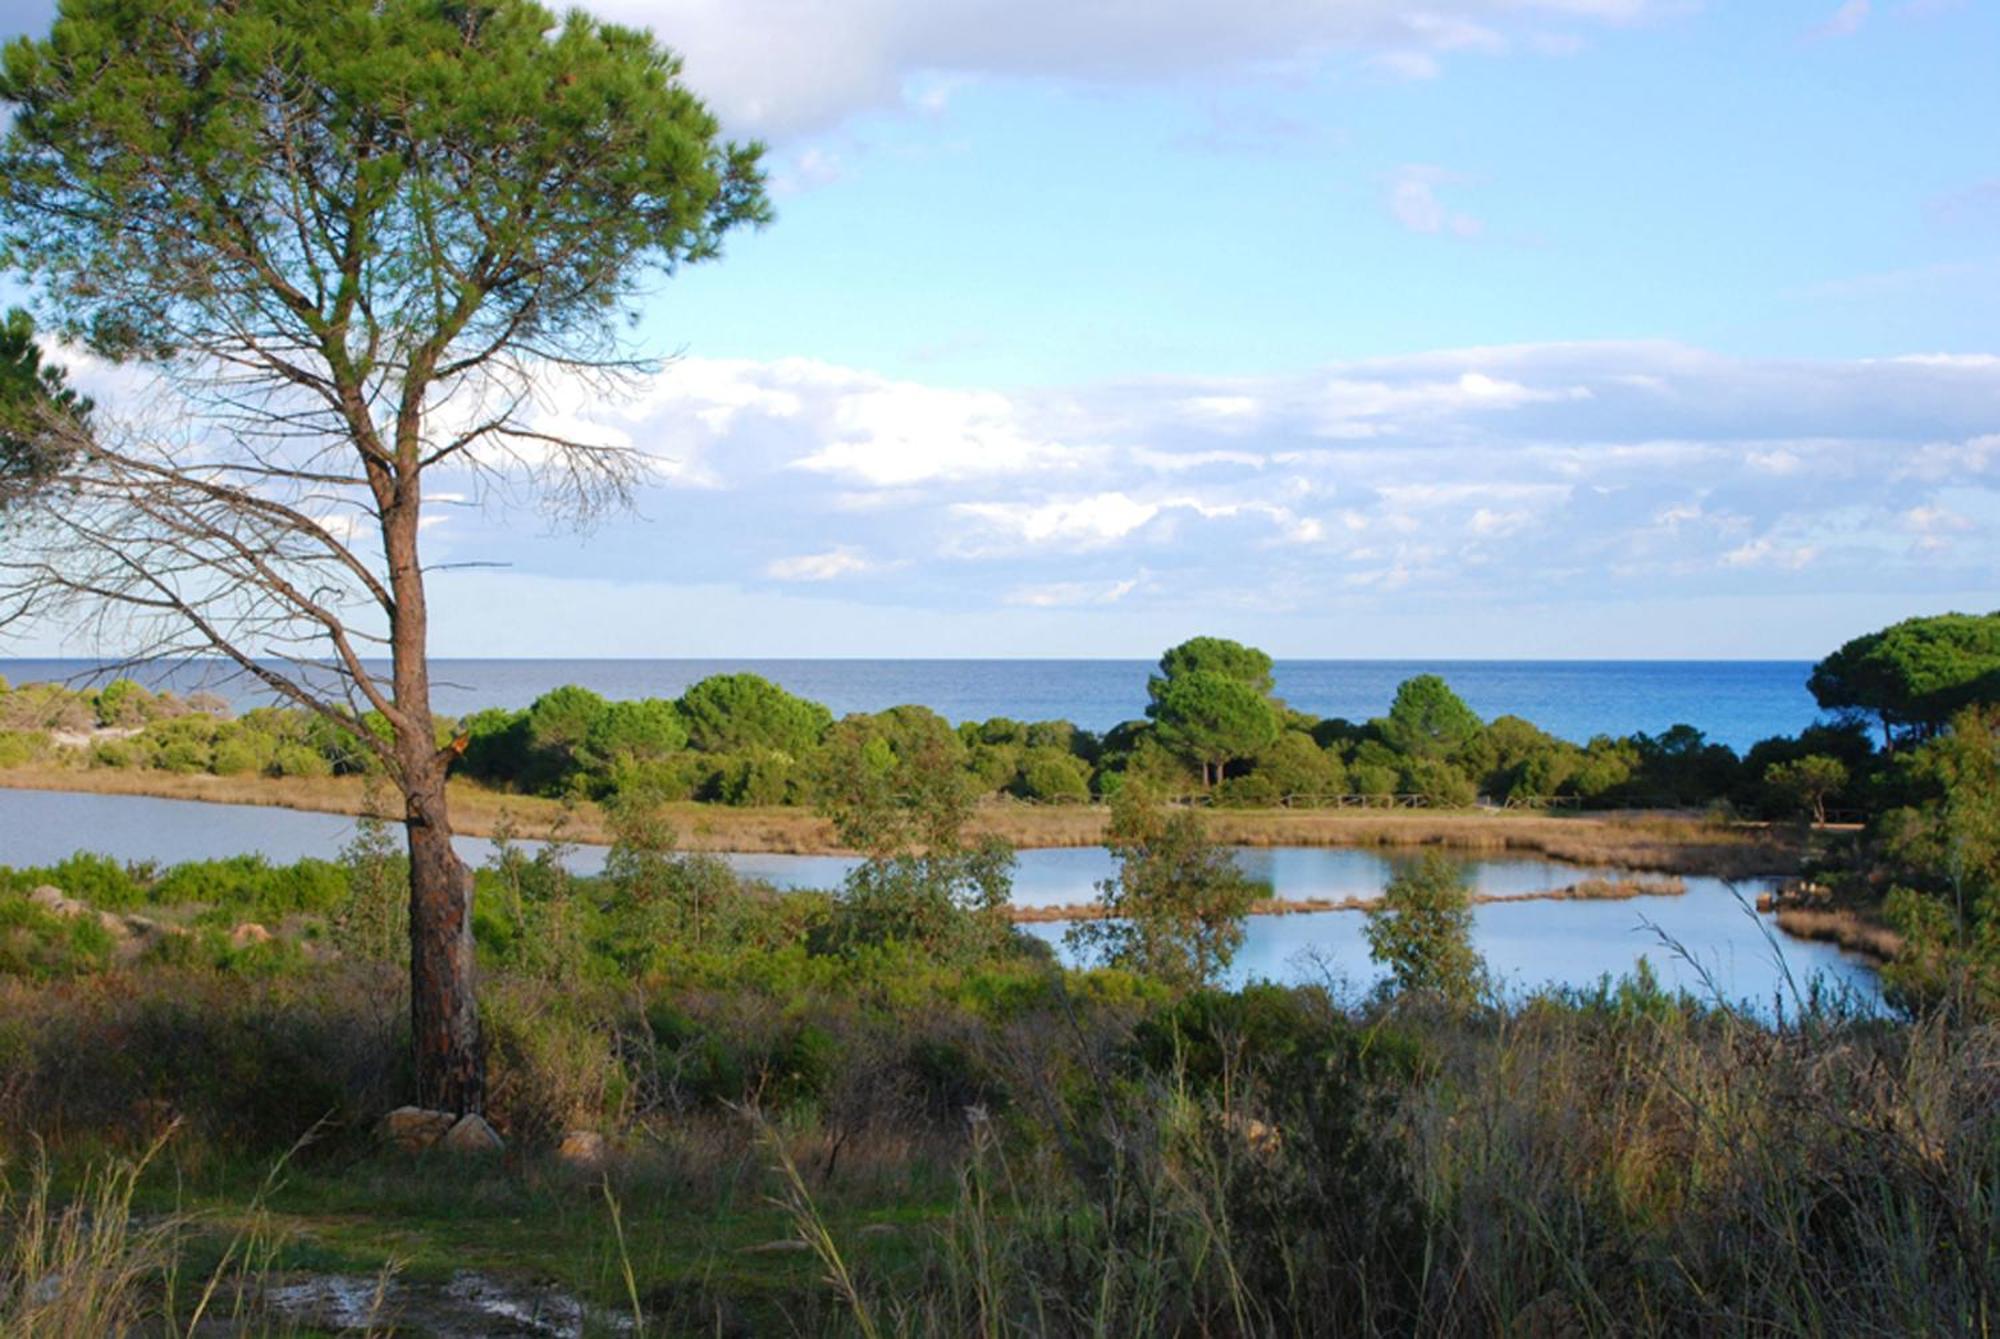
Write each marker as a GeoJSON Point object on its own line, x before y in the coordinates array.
{"type": "Point", "coordinates": [1724, 946]}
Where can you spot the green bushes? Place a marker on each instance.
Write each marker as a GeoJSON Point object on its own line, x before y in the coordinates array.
{"type": "Point", "coordinates": [1175, 909]}
{"type": "Point", "coordinates": [99, 880]}
{"type": "Point", "coordinates": [249, 1067]}
{"type": "Point", "coordinates": [250, 887]}
{"type": "Point", "coordinates": [18, 748]}
{"type": "Point", "coordinates": [1049, 774]}
{"type": "Point", "coordinates": [1213, 728]}
{"type": "Point", "coordinates": [1421, 930]}
{"type": "Point", "coordinates": [38, 946]}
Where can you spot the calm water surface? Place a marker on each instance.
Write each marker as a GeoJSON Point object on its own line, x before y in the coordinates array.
{"type": "Point", "coordinates": [1727, 948]}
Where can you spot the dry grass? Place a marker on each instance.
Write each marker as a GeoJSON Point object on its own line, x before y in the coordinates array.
{"type": "Point", "coordinates": [1849, 930]}
{"type": "Point", "coordinates": [1589, 890]}
{"type": "Point", "coordinates": [1668, 843]}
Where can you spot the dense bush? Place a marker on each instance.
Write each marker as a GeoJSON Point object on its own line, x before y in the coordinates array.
{"type": "Point", "coordinates": [1213, 728]}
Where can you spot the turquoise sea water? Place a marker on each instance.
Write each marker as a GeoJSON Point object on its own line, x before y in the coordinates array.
{"type": "Point", "coordinates": [1732, 702]}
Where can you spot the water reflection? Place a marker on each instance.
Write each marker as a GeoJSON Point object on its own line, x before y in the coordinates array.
{"type": "Point", "coordinates": [1724, 948]}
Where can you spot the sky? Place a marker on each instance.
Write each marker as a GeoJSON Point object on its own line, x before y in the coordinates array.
{"type": "Point", "coordinates": [1349, 328]}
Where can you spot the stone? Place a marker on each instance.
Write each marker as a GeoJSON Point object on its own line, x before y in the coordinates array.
{"type": "Point", "coordinates": [414, 1129]}
{"type": "Point", "coordinates": [584, 1150]}
{"type": "Point", "coordinates": [248, 933]}
{"type": "Point", "coordinates": [57, 903]}
{"type": "Point", "coordinates": [472, 1135]}
{"type": "Point", "coordinates": [114, 925]}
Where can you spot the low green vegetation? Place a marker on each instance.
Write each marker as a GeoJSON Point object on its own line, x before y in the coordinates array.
{"type": "Point", "coordinates": [1174, 911]}
{"type": "Point", "coordinates": [1421, 930]}
{"type": "Point", "coordinates": [882, 1109]}
{"type": "Point", "coordinates": [830, 1114]}
{"type": "Point", "coordinates": [1213, 730]}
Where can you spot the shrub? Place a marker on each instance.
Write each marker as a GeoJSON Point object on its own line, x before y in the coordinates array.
{"type": "Point", "coordinates": [97, 879]}
{"type": "Point", "coordinates": [18, 748]}
{"type": "Point", "coordinates": [1367, 779]}
{"type": "Point", "coordinates": [113, 753]}
{"type": "Point", "coordinates": [122, 702]}
{"type": "Point", "coordinates": [236, 757]}
{"type": "Point", "coordinates": [1049, 775]}
{"type": "Point", "coordinates": [1175, 909]}
{"type": "Point", "coordinates": [250, 886]}
{"type": "Point", "coordinates": [950, 903]}
{"type": "Point", "coordinates": [1255, 791]}
{"type": "Point", "coordinates": [299, 760]}
{"type": "Point", "coordinates": [43, 947]}
{"type": "Point", "coordinates": [1442, 784]}
{"type": "Point", "coordinates": [1296, 765]}
{"type": "Point", "coordinates": [753, 779]}
{"type": "Point", "coordinates": [1421, 930]}
{"type": "Point", "coordinates": [734, 713]}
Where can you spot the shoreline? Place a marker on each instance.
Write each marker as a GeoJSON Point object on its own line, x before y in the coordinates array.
{"type": "Point", "coordinates": [1648, 841]}
{"type": "Point", "coordinates": [1588, 890]}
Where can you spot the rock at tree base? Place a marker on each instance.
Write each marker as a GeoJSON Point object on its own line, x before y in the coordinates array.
{"type": "Point", "coordinates": [472, 1135]}
{"type": "Point", "coordinates": [414, 1129]}
{"type": "Point", "coordinates": [583, 1149]}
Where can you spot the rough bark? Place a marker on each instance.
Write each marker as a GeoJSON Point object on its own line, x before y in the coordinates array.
{"type": "Point", "coordinates": [444, 1015]}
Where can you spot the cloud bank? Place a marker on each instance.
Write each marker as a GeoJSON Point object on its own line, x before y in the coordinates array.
{"type": "Point", "coordinates": [1533, 479]}
{"type": "Point", "coordinates": [785, 67]}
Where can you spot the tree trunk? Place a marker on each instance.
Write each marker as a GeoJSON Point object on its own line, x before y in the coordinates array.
{"type": "Point", "coordinates": [444, 1015]}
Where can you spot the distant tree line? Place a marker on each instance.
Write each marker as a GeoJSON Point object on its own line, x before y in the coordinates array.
{"type": "Point", "coordinates": [1214, 729]}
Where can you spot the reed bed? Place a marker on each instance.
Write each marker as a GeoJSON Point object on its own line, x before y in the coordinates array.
{"type": "Point", "coordinates": [1847, 929]}
{"type": "Point", "coordinates": [1586, 890]}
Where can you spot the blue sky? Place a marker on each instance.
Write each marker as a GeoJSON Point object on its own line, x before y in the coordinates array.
{"type": "Point", "coordinates": [1470, 328]}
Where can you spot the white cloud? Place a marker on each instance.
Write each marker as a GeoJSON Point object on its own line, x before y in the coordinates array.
{"type": "Point", "coordinates": [1481, 474]}
{"type": "Point", "coordinates": [1085, 522]}
{"type": "Point", "coordinates": [891, 433]}
{"type": "Point", "coordinates": [1843, 22]}
{"type": "Point", "coordinates": [1067, 594]}
{"type": "Point", "coordinates": [808, 169]}
{"type": "Point", "coordinates": [1412, 65]}
{"type": "Point", "coordinates": [784, 67]}
{"type": "Point", "coordinates": [1490, 524]}
{"type": "Point", "coordinates": [1414, 202]}
{"type": "Point", "coordinates": [1767, 552]}
{"type": "Point", "coordinates": [839, 561]}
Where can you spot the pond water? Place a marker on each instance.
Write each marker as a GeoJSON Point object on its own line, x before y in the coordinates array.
{"type": "Point", "coordinates": [1723, 946]}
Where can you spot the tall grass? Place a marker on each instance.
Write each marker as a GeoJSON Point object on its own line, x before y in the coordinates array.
{"type": "Point", "coordinates": [1617, 1165]}
{"type": "Point", "coordinates": [76, 1262]}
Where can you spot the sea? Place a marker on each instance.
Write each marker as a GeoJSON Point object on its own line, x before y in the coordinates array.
{"type": "Point", "coordinates": [1733, 702]}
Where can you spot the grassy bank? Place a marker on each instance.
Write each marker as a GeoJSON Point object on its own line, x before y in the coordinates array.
{"type": "Point", "coordinates": [1009, 1151]}
{"type": "Point", "coordinates": [881, 1111]}
{"type": "Point", "coordinates": [1667, 843]}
